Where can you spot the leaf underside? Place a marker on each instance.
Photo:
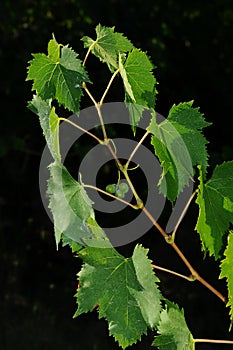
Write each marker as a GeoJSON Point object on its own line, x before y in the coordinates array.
{"type": "Point", "coordinates": [72, 209]}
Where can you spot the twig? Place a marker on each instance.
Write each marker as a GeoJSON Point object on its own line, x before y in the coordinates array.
{"type": "Point", "coordinates": [97, 106]}
{"type": "Point", "coordinates": [101, 121]}
{"type": "Point", "coordinates": [182, 215]}
{"type": "Point", "coordinates": [88, 52]}
{"type": "Point", "coordinates": [108, 87]}
{"type": "Point", "coordinates": [136, 148]}
{"type": "Point", "coordinates": [89, 94]}
{"type": "Point", "coordinates": [80, 128]}
{"type": "Point", "coordinates": [194, 273]}
{"type": "Point", "coordinates": [213, 341]}
{"type": "Point", "coordinates": [111, 195]}
{"type": "Point", "coordinates": [190, 279]}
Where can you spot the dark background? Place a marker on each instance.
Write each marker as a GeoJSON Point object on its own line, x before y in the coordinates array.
{"type": "Point", "coordinates": [191, 45]}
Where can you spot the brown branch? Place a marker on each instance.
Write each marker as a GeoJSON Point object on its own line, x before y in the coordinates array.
{"type": "Point", "coordinates": [194, 273]}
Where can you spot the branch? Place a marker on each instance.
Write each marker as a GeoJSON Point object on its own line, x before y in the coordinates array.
{"type": "Point", "coordinates": [123, 169]}
{"type": "Point", "coordinates": [89, 94]}
{"type": "Point", "coordinates": [101, 121]}
{"type": "Point", "coordinates": [136, 148]}
{"type": "Point", "coordinates": [88, 52]}
{"type": "Point", "coordinates": [213, 341]}
{"type": "Point", "coordinates": [111, 195]}
{"type": "Point", "coordinates": [80, 128]}
{"type": "Point", "coordinates": [97, 106]}
{"type": "Point", "coordinates": [183, 214]}
{"type": "Point", "coordinates": [194, 273]}
{"type": "Point", "coordinates": [108, 87]}
{"type": "Point", "coordinates": [190, 279]}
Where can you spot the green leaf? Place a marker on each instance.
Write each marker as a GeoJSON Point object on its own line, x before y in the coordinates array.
{"type": "Point", "coordinates": [227, 272]}
{"type": "Point", "coordinates": [108, 45]}
{"type": "Point", "coordinates": [189, 123]}
{"type": "Point", "coordinates": [58, 76]}
{"type": "Point", "coordinates": [173, 330]}
{"type": "Point", "coordinates": [75, 247]}
{"type": "Point", "coordinates": [174, 158]}
{"type": "Point", "coordinates": [179, 144]}
{"type": "Point", "coordinates": [149, 298]}
{"type": "Point", "coordinates": [54, 49]}
{"type": "Point", "coordinates": [138, 79]}
{"type": "Point", "coordinates": [71, 208]}
{"type": "Point", "coordinates": [120, 287]}
{"type": "Point", "coordinates": [135, 113]}
{"type": "Point", "coordinates": [127, 86]}
{"type": "Point", "coordinates": [215, 200]}
{"type": "Point", "coordinates": [54, 128]}
{"type": "Point", "coordinates": [49, 122]}
{"type": "Point", "coordinates": [139, 83]}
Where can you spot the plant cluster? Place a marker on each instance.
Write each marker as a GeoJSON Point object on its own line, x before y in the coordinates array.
{"type": "Point", "coordinates": [125, 291]}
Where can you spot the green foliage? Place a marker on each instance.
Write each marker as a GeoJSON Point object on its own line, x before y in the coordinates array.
{"type": "Point", "coordinates": [226, 271]}
{"type": "Point", "coordinates": [107, 45]}
{"type": "Point", "coordinates": [71, 208]}
{"type": "Point", "coordinates": [138, 79]}
{"type": "Point", "coordinates": [59, 75]}
{"type": "Point", "coordinates": [179, 145]}
{"type": "Point", "coordinates": [124, 290]}
{"type": "Point", "coordinates": [174, 333]}
{"type": "Point", "coordinates": [215, 200]}
{"type": "Point", "coordinates": [189, 123]}
{"type": "Point", "coordinates": [49, 123]}
{"type": "Point", "coordinates": [121, 289]}
{"type": "Point", "coordinates": [139, 84]}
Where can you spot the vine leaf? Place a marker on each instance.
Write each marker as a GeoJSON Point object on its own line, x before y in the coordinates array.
{"type": "Point", "coordinates": [49, 122]}
{"type": "Point", "coordinates": [179, 144]}
{"type": "Point", "coordinates": [59, 75]}
{"type": "Point", "coordinates": [75, 247]}
{"type": "Point", "coordinates": [108, 45]}
{"type": "Point", "coordinates": [146, 277]}
{"type": "Point", "coordinates": [138, 79]}
{"type": "Point", "coordinates": [139, 83]}
{"type": "Point", "coordinates": [173, 330]}
{"type": "Point", "coordinates": [226, 272]}
{"type": "Point", "coordinates": [120, 287]}
{"type": "Point", "coordinates": [54, 128]}
{"type": "Point", "coordinates": [215, 200]}
{"type": "Point", "coordinates": [72, 209]}
{"type": "Point", "coordinates": [189, 123]}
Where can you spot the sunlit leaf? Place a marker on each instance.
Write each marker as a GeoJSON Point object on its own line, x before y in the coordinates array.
{"type": "Point", "coordinates": [179, 144]}
{"type": "Point", "coordinates": [49, 122]}
{"type": "Point", "coordinates": [173, 330]}
{"type": "Point", "coordinates": [71, 208]}
{"type": "Point", "coordinates": [215, 200]}
{"type": "Point", "coordinates": [107, 45]}
{"type": "Point", "coordinates": [58, 76]}
{"type": "Point", "coordinates": [121, 289]}
{"type": "Point", "coordinates": [227, 271]}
